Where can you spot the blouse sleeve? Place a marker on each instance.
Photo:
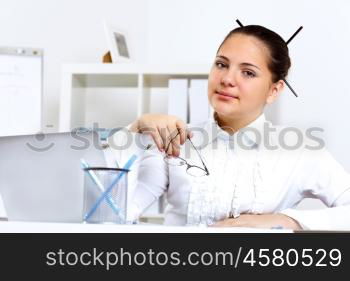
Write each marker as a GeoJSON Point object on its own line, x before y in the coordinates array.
{"type": "Point", "coordinates": [152, 180]}
{"type": "Point", "coordinates": [324, 178]}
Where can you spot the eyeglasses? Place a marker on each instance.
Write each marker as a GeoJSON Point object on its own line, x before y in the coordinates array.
{"type": "Point", "coordinates": [192, 170]}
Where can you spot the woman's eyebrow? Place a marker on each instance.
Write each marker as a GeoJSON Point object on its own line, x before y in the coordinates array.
{"type": "Point", "coordinates": [242, 64]}
{"type": "Point", "coordinates": [223, 57]}
{"type": "Point", "coordinates": [249, 64]}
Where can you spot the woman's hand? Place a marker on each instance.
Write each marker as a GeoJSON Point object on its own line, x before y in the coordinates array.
{"type": "Point", "coordinates": [163, 128]}
{"type": "Point", "coordinates": [260, 221]}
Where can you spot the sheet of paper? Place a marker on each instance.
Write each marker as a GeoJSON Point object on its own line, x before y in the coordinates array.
{"type": "Point", "coordinates": [20, 94]}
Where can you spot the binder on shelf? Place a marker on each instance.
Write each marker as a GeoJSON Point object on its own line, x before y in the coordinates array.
{"type": "Point", "coordinates": [199, 105]}
{"type": "Point", "coordinates": [177, 98]}
{"type": "Point", "coordinates": [21, 73]}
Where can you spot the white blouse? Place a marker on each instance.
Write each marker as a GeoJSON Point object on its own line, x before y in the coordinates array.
{"type": "Point", "coordinates": [248, 174]}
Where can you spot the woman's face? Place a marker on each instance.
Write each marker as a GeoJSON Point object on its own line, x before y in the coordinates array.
{"type": "Point", "coordinates": [240, 83]}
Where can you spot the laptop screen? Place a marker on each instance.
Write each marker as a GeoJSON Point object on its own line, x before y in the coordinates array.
{"type": "Point", "coordinates": [41, 177]}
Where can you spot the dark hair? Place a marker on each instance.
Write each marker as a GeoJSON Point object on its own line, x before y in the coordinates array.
{"type": "Point", "coordinates": [279, 62]}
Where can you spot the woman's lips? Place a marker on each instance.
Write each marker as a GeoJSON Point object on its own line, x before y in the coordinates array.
{"type": "Point", "coordinates": [225, 96]}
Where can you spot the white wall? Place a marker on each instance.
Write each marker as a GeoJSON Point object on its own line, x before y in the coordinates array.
{"type": "Point", "coordinates": [69, 31]}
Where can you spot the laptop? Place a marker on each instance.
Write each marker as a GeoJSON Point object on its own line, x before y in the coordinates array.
{"type": "Point", "coordinates": [41, 178]}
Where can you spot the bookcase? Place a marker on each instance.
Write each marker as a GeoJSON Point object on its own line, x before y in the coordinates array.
{"type": "Point", "coordinates": [126, 90]}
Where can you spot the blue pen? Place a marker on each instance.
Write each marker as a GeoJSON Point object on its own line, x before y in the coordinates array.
{"type": "Point", "coordinates": [98, 184]}
{"type": "Point", "coordinates": [108, 190]}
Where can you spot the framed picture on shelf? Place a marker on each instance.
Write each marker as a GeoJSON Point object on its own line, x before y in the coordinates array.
{"type": "Point", "coordinates": [117, 43]}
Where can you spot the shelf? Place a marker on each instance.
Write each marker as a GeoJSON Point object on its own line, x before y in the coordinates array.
{"type": "Point", "coordinates": [105, 80]}
{"type": "Point", "coordinates": [123, 80]}
{"type": "Point", "coordinates": [125, 68]}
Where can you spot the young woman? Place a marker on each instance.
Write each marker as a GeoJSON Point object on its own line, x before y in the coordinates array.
{"type": "Point", "coordinates": [230, 172]}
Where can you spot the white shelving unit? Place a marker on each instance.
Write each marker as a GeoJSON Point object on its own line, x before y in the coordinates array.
{"type": "Point", "coordinates": [124, 78]}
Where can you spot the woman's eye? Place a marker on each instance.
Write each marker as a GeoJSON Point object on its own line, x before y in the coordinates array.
{"type": "Point", "coordinates": [248, 73]}
{"type": "Point", "coordinates": [220, 64]}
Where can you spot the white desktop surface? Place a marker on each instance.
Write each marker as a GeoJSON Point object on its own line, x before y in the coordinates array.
{"type": "Point", "coordinates": [41, 227]}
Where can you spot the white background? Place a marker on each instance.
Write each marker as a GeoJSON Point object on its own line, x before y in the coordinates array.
{"type": "Point", "coordinates": [189, 32]}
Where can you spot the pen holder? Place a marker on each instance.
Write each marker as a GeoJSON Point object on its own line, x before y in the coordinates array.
{"type": "Point", "coordinates": [105, 195]}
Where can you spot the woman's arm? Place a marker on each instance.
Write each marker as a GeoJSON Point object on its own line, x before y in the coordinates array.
{"type": "Point", "coordinates": [328, 181]}
{"type": "Point", "coordinates": [322, 177]}
{"type": "Point", "coordinates": [260, 221]}
{"type": "Point", "coordinates": [152, 180]}
{"type": "Point", "coordinates": [337, 217]}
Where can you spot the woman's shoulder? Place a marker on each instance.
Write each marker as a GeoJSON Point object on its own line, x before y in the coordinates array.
{"type": "Point", "coordinates": [202, 132]}
{"type": "Point", "coordinates": [292, 138]}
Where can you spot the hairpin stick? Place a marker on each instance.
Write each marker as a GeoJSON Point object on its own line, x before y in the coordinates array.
{"type": "Point", "coordinates": [289, 40]}
{"type": "Point", "coordinates": [295, 34]}
{"type": "Point", "coordinates": [290, 87]}
{"type": "Point", "coordinates": [239, 23]}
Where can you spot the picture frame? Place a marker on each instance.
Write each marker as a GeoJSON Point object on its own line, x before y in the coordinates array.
{"type": "Point", "coordinates": [117, 41]}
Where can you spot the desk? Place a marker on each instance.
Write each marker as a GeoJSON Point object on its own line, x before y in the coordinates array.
{"type": "Point", "coordinates": [41, 227]}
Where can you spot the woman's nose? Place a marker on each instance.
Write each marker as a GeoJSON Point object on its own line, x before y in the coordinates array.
{"type": "Point", "coordinates": [228, 80]}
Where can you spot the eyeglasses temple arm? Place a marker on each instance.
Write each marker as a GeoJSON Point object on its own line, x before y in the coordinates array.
{"type": "Point", "coordinates": [200, 157]}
